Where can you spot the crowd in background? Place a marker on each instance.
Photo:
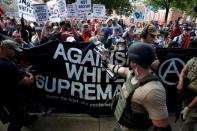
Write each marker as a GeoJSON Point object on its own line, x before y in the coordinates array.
{"type": "Point", "coordinates": [114, 33]}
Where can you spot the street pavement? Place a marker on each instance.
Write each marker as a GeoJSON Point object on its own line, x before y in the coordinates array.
{"type": "Point", "coordinates": [75, 122]}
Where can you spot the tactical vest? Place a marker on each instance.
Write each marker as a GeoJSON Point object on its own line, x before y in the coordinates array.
{"type": "Point", "coordinates": [123, 112]}
{"type": "Point", "coordinates": [192, 75]}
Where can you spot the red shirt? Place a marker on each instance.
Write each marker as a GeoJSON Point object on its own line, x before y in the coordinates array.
{"type": "Point", "coordinates": [187, 42]}
{"type": "Point", "coordinates": [86, 36]}
{"type": "Point", "coordinates": [65, 35]}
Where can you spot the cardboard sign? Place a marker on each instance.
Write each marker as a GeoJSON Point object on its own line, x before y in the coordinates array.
{"type": "Point", "coordinates": [83, 5]}
{"type": "Point", "coordinates": [25, 9]}
{"type": "Point", "coordinates": [99, 11]}
{"type": "Point", "coordinates": [81, 15]}
{"type": "Point", "coordinates": [61, 4]}
{"type": "Point", "coordinates": [53, 11]}
{"type": "Point", "coordinates": [72, 10]}
{"type": "Point", "coordinates": [41, 12]}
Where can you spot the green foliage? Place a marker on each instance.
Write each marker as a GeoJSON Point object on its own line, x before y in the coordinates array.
{"type": "Point", "coordinates": [162, 4]}
{"type": "Point", "coordinates": [184, 5]}
{"type": "Point", "coordinates": [120, 6]}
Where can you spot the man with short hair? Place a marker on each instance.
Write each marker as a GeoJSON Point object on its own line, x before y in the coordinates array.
{"type": "Point", "coordinates": [142, 99]}
{"type": "Point", "coordinates": [116, 25]}
{"type": "Point", "coordinates": [98, 37]}
{"type": "Point", "coordinates": [112, 40]}
{"type": "Point", "coordinates": [12, 79]}
{"type": "Point", "coordinates": [108, 30]}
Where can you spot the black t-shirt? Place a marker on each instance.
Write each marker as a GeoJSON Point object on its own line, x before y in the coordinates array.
{"type": "Point", "coordinates": [10, 75]}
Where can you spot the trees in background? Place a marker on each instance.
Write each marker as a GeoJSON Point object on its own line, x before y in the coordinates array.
{"type": "Point", "coordinates": [185, 5]}
{"type": "Point", "coordinates": [123, 7]}
{"type": "Point", "coordinates": [163, 4]}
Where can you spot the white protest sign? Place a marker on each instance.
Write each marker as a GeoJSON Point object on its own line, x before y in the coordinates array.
{"type": "Point", "coordinates": [84, 15]}
{"type": "Point", "coordinates": [61, 4]}
{"type": "Point", "coordinates": [41, 12]}
{"type": "Point", "coordinates": [72, 10]}
{"type": "Point", "coordinates": [99, 11]}
{"type": "Point", "coordinates": [25, 9]}
{"type": "Point", "coordinates": [89, 15]}
{"type": "Point", "coordinates": [53, 11]}
{"type": "Point", "coordinates": [81, 15]}
{"type": "Point", "coordinates": [83, 5]}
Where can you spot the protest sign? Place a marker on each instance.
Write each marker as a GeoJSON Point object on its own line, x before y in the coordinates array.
{"type": "Point", "coordinates": [138, 21]}
{"type": "Point", "coordinates": [99, 11]}
{"type": "Point", "coordinates": [89, 15]}
{"type": "Point", "coordinates": [72, 10]}
{"type": "Point", "coordinates": [41, 12]}
{"type": "Point", "coordinates": [53, 11]}
{"type": "Point", "coordinates": [138, 15]}
{"type": "Point", "coordinates": [61, 4]}
{"type": "Point", "coordinates": [84, 5]}
{"type": "Point", "coordinates": [25, 9]}
{"type": "Point", "coordinates": [81, 15]}
{"type": "Point", "coordinates": [84, 15]}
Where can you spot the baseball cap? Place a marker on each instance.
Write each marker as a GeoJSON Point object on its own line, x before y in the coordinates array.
{"type": "Point", "coordinates": [10, 44]}
{"type": "Point", "coordinates": [152, 30]}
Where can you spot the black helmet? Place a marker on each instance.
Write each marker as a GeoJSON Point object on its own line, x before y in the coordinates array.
{"type": "Point", "coordinates": [142, 54]}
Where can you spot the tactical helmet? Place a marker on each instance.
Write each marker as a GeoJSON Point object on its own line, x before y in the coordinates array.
{"type": "Point", "coordinates": [142, 54]}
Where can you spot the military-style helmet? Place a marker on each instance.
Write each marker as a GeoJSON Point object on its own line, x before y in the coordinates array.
{"type": "Point", "coordinates": [142, 54]}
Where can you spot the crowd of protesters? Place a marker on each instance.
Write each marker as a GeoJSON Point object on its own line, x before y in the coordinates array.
{"type": "Point", "coordinates": [114, 33]}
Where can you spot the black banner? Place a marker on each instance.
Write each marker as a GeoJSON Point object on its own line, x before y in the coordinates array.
{"type": "Point", "coordinates": [172, 61]}
{"type": "Point", "coordinates": [71, 76]}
